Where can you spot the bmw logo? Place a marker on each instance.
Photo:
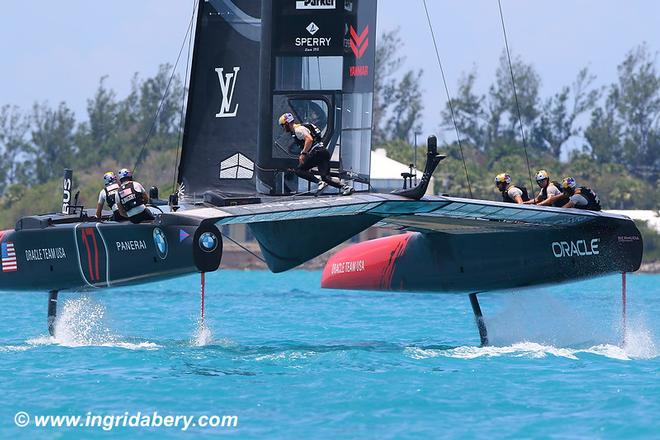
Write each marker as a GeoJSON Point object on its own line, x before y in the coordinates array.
{"type": "Point", "coordinates": [161, 243]}
{"type": "Point", "coordinates": [208, 242]}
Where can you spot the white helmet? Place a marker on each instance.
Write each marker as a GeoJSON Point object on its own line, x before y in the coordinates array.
{"type": "Point", "coordinates": [542, 175]}
{"type": "Point", "coordinates": [285, 119]}
{"type": "Point", "coordinates": [125, 173]}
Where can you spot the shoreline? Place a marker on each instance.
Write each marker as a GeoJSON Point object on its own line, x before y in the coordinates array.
{"type": "Point", "coordinates": [650, 267]}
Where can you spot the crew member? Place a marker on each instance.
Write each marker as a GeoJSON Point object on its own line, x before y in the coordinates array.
{"type": "Point", "coordinates": [312, 154]}
{"type": "Point", "coordinates": [579, 197]}
{"type": "Point", "coordinates": [107, 195]}
{"type": "Point", "coordinates": [510, 192]}
{"type": "Point", "coordinates": [131, 198]}
{"type": "Point", "coordinates": [548, 189]}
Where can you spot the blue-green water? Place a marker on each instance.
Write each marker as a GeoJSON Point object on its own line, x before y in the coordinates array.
{"type": "Point", "coordinates": [294, 361]}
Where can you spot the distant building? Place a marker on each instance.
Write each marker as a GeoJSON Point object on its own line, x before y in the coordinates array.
{"type": "Point", "coordinates": [386, 173]}
{"type": "Point", "coordinates": [650, 217]}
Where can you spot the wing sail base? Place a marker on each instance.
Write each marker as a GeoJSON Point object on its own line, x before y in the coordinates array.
{"type": "Point", "coordinates": [287, 244]}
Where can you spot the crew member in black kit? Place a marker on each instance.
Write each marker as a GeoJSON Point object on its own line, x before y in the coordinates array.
{"type": "Point", "coordinates": [107, 195]}
{"type": "Point", "coordinates": [131, 198]}
{"type": "Point", "coordinates": [312, 154]}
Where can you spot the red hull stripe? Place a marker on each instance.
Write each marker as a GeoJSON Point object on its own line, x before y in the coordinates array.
{"type": "Point", "coordinates": [369, 265]}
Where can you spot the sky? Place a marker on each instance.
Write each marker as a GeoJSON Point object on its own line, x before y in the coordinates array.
{"type": "Point", "coordinates": [57, 50]}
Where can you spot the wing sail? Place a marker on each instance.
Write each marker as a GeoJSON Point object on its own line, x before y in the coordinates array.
{"type": "Point", "coordinates": [431, 214]}
{"type": "Point", "coordinates": [293, 231]}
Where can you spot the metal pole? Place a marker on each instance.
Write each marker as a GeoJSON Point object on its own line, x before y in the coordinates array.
{"type": "Point", "coordinates": [479, 319]}
{"type": "Point", "coordinates": [623, 306]}
{"type": "Point", "coordinates": [415, 152]}
{"type": "Point", "coordinates": [415, 157]}
{"type": "Point", "coordinates": [202, 285]}
{"type": "Point", "coordinates": [52, 311]}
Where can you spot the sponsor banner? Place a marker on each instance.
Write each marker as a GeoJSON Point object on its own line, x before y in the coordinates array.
{"type": "Point", "coordinates": [577, 248]}
{"type": "Point", "coordinates": [131, 245]}
{"type": "Point", "coordinates": [309, 35]}
{"type": "Point", "coordinates": [315, 4]}
{"type": "Point", "coordinates": [347, 267]}
{"type": "Point", "coordinates": [9, 263]}
{"type": "Point", "coordinates": [359, 47]}
{"type": "Point", "coordinates": [42, 254]}
{"type": "Point", "coordinates": [358, 42]}
{"type": "Point", "coordinates": [627, 238]}
{"type": "Point", "coordinates": [227, 85]}
{"type": "Point", "coordinates": [160, 240]}
{"type": "Point", "coordinates": [66, 190]}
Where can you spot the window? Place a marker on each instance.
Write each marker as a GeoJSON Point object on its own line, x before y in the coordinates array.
{"type": "Point", "coordinates": [311, 110]}
{"type": "Point", "coordinates": [356, 134]}
{"type": "Point", "coordinates": [308, 73]}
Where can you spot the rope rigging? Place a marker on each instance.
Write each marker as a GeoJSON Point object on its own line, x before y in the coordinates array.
{"type": "Point", "coordinates": [165, 93]}
{"type": "Point", "coordinates": [243, 247]}
{"type": "Point", "coordinates": [179, 144]}
{"type": "Point", "coordinates": [515, 93]}
{"type": "Point", "coordinates": [449, 101]}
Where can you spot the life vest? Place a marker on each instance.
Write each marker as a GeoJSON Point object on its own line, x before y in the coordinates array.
{"type": "Point", "coordinates": [544, 191]}
{"type": "Point", "coordinates": [507, 199]}
{"type": "Point", "coordinates": [557, 203]}
{"type": "Point", "coordinates": [129, 197]}
{"type": "Point", "coordinates": [110, 192]}
{"type": "Point", "coordinates": [593, 202]}
{"type": "Point", "coordinates": [314, 131]}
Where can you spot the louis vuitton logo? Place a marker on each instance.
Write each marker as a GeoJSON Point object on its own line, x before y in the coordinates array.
{"type": "Point", "coordinates": [227, 87]}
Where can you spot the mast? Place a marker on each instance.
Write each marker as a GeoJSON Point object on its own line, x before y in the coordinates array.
{"type": "Point", "coordinates": [253, 61]}
{"type": "Point", "coordinates": [317, 62]}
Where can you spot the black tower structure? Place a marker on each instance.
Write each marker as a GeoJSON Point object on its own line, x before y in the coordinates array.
{"type": "Point", "coordinates": [220, 137]}
{"type": "Point", "coordinates": [316, 61]}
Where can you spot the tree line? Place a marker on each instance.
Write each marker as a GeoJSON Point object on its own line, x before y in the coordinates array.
{"type": "Point", "coordinates": [38, 143]}
{"type": "Point", "coordinates": [616, 128]}
{"type": "Point", "coordinates": [607, 137]}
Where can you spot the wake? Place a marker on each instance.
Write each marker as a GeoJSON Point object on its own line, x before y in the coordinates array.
{"type": "Point", "coordinates": [639, 347]}
{"type": "Point", "coordinates": [540, 325]}
{"type": "Point", "coordinates": [202, 335]}
{"type": "Point", "coordinates": [82, 323]}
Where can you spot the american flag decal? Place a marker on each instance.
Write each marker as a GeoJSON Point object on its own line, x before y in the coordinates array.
{"type": "Point", "coordinates": [8, 257]}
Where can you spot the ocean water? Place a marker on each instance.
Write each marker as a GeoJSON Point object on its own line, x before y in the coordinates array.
{"type": "Point", "coordinates": [293, 361]}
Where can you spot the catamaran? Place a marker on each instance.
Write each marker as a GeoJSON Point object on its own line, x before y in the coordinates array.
{"type": "Point", "coordinates": [251, 62]}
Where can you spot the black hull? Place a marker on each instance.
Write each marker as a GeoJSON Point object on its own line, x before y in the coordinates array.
{"type": "Point", "coordinates": [446, 262]}
{"type": "Point", "coordinates": [96, 255]}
